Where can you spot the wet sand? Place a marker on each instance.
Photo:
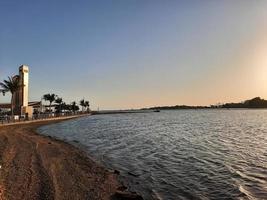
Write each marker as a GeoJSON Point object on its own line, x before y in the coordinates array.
{"type": "Point", "coordinates": [40, 167]}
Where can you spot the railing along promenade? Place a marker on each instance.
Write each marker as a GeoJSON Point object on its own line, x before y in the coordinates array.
{"type": "Point", "coordinates": [40, 116]}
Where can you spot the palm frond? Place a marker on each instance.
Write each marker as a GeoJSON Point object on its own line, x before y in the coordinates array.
{"type": "Point", "coordinates": [11, 85]}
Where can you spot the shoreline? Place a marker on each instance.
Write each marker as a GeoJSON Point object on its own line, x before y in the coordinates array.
{"type": "Point", "coordinates": [55, 119]}
{"type": "Point", "coordinates": [33, 166]}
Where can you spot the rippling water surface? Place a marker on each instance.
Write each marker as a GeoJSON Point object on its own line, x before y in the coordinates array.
{"type": "Point", "coordinates": [184, 154]}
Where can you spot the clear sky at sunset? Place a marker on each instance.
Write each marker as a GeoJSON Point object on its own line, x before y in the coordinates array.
{"type": "Point", "coordinates": [137, 53]}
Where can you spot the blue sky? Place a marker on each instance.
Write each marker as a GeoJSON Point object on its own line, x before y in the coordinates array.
{"type": "Point", "coordinates": [137, 53]}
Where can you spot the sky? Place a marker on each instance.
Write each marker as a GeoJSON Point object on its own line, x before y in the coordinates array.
{"type": "Point", "coordinates": [137, 53]}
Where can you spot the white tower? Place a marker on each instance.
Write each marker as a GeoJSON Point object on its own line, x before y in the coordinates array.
{"type": "Point", "coordinates": [21, 97]}
{"type": "Point", "coordinates": [24, 107]}
{"type": "Point", "coordinates": [24, 82]}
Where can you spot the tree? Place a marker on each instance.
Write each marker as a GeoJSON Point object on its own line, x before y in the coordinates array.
{"type": "Point", "coordinates": [51, 98]}
{"type": "Point", "coordinates": [74, 107]}
{"type": "Point", "coordinates": [11, 85]}
{"type": "Point", "coordinates": [87, 105]}
{"type": "Point", "coordinates": [82, 103]}
{"type": "Point", "coordinates": [66, 107]}
{"type": "Point", "coordinates": [59, 103]}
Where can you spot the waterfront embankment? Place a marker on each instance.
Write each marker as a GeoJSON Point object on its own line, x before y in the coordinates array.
{"type": "Point", "coordinates": [39, 167]}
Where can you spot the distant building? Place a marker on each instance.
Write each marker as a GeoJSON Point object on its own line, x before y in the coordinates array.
{"type": "Point", "coordinates": [37, 106]}
{"type": "Point", "coordinates": [22, 106]}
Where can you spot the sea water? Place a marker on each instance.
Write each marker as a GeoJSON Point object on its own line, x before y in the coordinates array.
{"type": "Point", "coordinates": [182, 154]}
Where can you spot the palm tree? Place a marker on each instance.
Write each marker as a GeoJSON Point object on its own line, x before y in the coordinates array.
{"type": "Point", "coordinates": [87, 105]}
{"type": "Point", "coordinates": [74, 106]}
{"type": "Point", "coordinates": [11, 85]}
{"type": "Point", "coordinates": [65, 107]}
{"type": "Point", "coordinates": [59, 101]}
{"type": "Point", "coordinates": [51, 98]}
{"type": "Point", "coordinates": [82, 103]}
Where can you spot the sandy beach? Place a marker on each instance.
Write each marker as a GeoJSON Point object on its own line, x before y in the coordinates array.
{"type": "Point", "coordinates": [40, 167]}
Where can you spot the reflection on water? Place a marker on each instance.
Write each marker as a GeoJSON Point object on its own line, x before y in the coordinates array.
{"type": "Point", "coordinates": [185, 154]}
